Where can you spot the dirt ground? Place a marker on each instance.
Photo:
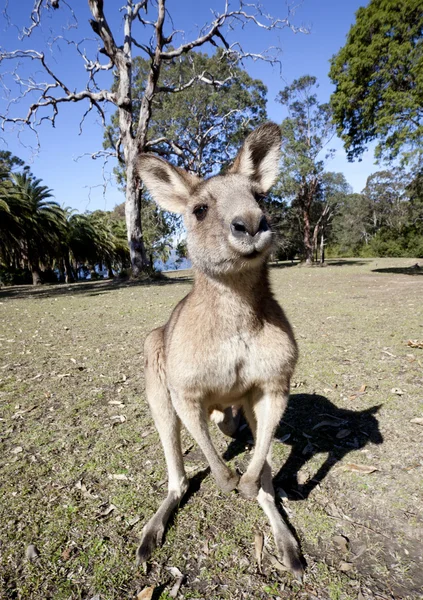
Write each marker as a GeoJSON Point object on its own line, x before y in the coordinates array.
{"type": "Point", "coordinates": [82, 469]}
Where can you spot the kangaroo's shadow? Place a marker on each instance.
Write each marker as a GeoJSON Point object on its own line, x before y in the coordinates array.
{"type": "Point", "coordinates": [312, 425]}
{"type": "Point", "coordinates": [317, 426]}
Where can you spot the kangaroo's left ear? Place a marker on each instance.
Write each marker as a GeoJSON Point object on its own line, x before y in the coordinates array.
{"type": "Point", "coordinates": [259, 157]}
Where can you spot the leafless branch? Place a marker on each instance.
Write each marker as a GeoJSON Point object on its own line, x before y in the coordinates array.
{"type": "Point", "coordinates": [178, 149]}
{"type": "Point", "coordinates": [230, 17]}
{"type": "Point", "coordinates": [203, 77]}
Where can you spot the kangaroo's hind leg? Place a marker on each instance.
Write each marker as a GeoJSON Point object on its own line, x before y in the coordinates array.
{"type": "Point", "coordinates": [285, 541]}
{"type": "Point", "coordinates": [168, 425]}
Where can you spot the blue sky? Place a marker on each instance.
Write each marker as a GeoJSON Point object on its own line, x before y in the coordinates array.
{"type": "Point", "coordinates": [80, 183]}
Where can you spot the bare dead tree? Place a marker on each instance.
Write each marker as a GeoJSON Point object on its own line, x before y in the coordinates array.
{"type": "Point", "coordinates": [46, 90]}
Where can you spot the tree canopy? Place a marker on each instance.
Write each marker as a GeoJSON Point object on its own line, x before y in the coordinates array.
{"type": "Point", "coordinates": [41, 241]}
{"type": "Point", "coordinates": [379, 80]}
{"type": "Point", "coordinates": [201, 128]}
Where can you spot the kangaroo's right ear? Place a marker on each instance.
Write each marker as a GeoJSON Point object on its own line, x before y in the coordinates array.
{"type": "Point", "coordinates": [169, 186]}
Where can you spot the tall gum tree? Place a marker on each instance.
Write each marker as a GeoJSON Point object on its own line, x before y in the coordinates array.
{"type": "Point", "coordinates": [306, 133]}
{"type": "Point", "coordinates": [147, 30]}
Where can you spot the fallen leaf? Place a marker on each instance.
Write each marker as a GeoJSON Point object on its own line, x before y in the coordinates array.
{"type": "Point", "coordinates": [179, 579]}
{"type": "Point", "coordinates": [84, 490]}
{"type": "Point", "coordinates": [365, 469]}
{"type": "Point", "coordinates": [107, 511]}
{"type": "Point", "coordinates": [275, 562]}
{"type": "Point", "coordinates": [146, 594]}
{"type": "Point", "coordinates": [67, 552]}
{"type": "Point", "coordinates": [118, 419]}
{"type": "Point", "coordinates": [417, 421]}
{"type": "Point", "coordinates": [36, 377]}
{"type": "Point", "coordinates": [258, 548]}
{"type": "Point", "coordinates": [284, 438]}
{"type": "Point", "coordinates": [175, 572]}
{"type": "Point", "coordinates": [205, 549]}
{"type": "Point", "coordinates": [397, 391]}
{"type": "Point", "coordinates": [345, 566]}
{"type": "Point", "coordinates": [134, 521]}
{"type": "Point", "coordinates": [308, 449]}
{"type": "Point", "coordinates": [20, 413]}
{"type": "Point", "coordinates": [31, 553]}
{"type": "Point", "coordinates": [341, 542]}
{"type": "Point", "coordinates": [362, 389]}
{"type": "Point", "coordinates": [175, 589]}
{"type": "Point", "coordinates": [343, 433]}
{"type": "Point", "coordinates": [415, 344]}
{"type": "Point", "coordinates": [327, 423]}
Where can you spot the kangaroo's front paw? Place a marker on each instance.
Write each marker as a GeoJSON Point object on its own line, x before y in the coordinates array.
{"type": "Point", "coordinates": [248, 488]}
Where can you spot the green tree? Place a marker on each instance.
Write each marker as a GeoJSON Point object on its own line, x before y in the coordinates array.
{"type": "Point", "coordinates": [351, 225]}
{"type": "Point", "coordinates": [385, 191]}
{"type": "Point", "coordinates": [201, 128]}
{"type": "Point", "coordinates": [414, 191]}
{"type": "Point", "coordinates": [379, 80]}
{"type": "Point", "coordinates": [306, 133]}
{"type": "Point", "coordinates": [332, 191]}
{"type": "Point", "coordinates": [139, 27]}
{"type": "Point", "coordinates": [76, 246]}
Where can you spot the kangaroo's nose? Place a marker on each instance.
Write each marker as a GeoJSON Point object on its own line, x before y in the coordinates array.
{"type": "Point", "coordinates": [241, 227]}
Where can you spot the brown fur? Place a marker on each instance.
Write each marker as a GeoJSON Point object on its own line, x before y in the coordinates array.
{"type": "Point", "coordinates": [228, 343]}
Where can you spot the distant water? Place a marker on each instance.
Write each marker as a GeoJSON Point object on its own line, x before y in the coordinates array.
{"type": "Point", "coordinates": [173, 263]}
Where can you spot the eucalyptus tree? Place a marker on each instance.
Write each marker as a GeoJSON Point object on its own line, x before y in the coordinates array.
{"type": "Point", "coordinates": [306, 133]}
{"type": "Point", "coordinates": [146, 27]}
{"type": "Point", "coordinates": [332, 191]}
{"type": "Point", "coordinates": [201, 128]}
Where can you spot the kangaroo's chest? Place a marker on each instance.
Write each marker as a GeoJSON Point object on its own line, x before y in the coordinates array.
{"type": "Point", "coordinates": [231, 364]}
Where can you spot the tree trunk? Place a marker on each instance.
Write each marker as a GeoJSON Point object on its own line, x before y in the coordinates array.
{"type": "Point", "coordinates": [61, 267]}
{"type": "Point", "coordinates": [308, 246]}
{"type": "Point", "coordinates": [69, 277]}
{"type": "Point", "coordinates": [109, 269]}
{"type": "Point", "coordinates": [322, 248]}
{"type": "Point", "coordinates": [137, 252]}
{"type": "Point", "coordinates": [36, 274]}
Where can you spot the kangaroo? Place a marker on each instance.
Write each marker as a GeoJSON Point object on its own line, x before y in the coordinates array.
{"type": "Point", "coordinates": [228, 343]}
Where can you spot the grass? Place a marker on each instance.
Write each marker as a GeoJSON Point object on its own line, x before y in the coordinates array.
{"type": "Point", "coordinates": [73, 416]}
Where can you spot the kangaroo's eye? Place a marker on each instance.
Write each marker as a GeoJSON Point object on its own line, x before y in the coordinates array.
{"type": "Point", "coordinates": [260, 198]}
{"type": "Point", "coordinates": [200, 212]}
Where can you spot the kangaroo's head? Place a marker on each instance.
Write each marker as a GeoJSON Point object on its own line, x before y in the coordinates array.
{"type": "Point", "coordinates": [226, 229]}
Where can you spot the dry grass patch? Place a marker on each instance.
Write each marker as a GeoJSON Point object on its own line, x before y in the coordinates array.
{"type": "Point", "coordinates": [82, 467]}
